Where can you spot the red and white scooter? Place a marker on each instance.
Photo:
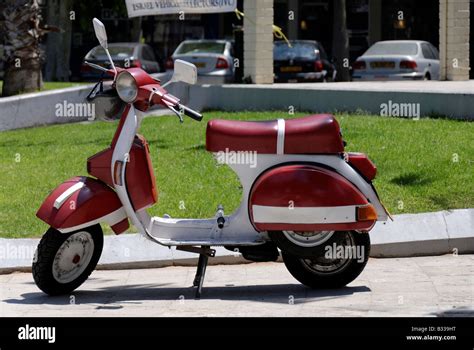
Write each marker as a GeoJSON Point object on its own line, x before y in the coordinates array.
{"type": "Point", "coordinates": [303, 194]}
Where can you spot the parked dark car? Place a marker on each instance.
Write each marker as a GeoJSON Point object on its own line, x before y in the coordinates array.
{"type": "Point", "coordinates": [123, 55]}
{"type": "Point", "coordinates": [304, 61]}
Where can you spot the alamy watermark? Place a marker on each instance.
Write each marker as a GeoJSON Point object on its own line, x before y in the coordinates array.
{"type": "Point", "coordinates": [16, 252]}
{"type": "Point", "coordinates": [37, 333]}
{"type": "Point", "coordinates": [237, 157]}
{"type": "Point", "coordinates": [75, 110]}
{"type": "Point", "coordinates": [335, 251]}
{"type": "Point", "coordinates": [395, 109]}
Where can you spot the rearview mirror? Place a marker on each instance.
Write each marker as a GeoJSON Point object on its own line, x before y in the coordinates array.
{"type": "Point", "coordinates": [101, 35]}
{"type": "Point", "coordinates": [185, 72]}
{"type": "Point", "coordinates": [100, 32]}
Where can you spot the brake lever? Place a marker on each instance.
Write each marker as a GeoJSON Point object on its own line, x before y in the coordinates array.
{"type": "Point", "coordinates": [178, 113]}
{"type": "Point", "coordinates": [98, 87]}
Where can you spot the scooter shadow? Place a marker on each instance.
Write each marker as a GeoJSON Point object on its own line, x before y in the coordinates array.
{"type": "Point", "coordinates": [136, 294]}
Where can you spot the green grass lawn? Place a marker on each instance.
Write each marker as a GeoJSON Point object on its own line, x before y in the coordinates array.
{"type": "Point", "coordinates": [53, 85]}
{"type": "Point", "coordinates": [425, 165]}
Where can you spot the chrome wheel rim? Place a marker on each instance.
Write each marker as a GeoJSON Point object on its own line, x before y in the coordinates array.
{"type": "Point", "coordinates": [73, 257]}
{"type": "Point", "coordinates": [323, 265]}
{"type": "Point", "coordinates": [308, 239]}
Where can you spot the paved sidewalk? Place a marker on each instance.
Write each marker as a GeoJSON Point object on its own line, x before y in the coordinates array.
{"type": "Point", "coordinates": [423, 286]}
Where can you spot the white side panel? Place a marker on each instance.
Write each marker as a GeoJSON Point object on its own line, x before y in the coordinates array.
{"type": "Point", "coordinates": [238, 226]}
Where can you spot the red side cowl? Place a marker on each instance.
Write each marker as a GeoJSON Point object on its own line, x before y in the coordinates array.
{"type": "Point", "coordinates": [363, 164]}
{"type": "Point", "coordinates": [139, 172]}
{"type": "Point", "coordinates": [288, 189]}
{"type": "Point", "coordinates": [93, 201]}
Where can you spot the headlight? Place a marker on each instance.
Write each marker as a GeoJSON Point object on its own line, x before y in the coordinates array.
{"type": "Point", "coordinates": [126, 87]}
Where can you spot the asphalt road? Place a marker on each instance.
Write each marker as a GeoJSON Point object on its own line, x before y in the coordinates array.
{"type": "Point", "coordinates": [424, 286]}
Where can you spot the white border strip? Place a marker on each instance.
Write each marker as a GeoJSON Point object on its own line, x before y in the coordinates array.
{"type": "Point", "coordinates": [281, 137]}
{"type": "Point", "coordinates": [304, 215]}
{"type": "Point", "coordinates": [66, 194]}
{"type": "Point", "coordinates": [113, 218]}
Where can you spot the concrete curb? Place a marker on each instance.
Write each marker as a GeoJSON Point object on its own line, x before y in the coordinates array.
{"type": "Point", "coordinates": [39, 108]}
{"type": "Point", "coordinates": [456, 103]}
{"type": "Point", "coordinates": [453, 99]}
{"type": "Point", "coordinates": [409, 235]}
{"type": "Point", "coordinates": [435, 233]}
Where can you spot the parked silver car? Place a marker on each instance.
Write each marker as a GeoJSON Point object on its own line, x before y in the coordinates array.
{"type": "Point", "coordinates": [398, 60]}
{"type": "Point", "coordinates": [123, 55]}
{"type": "Point", "coordinates": [213, 59]}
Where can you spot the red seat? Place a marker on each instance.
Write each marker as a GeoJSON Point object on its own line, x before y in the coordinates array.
{"type": "Point", "coordinates": [314, 134]}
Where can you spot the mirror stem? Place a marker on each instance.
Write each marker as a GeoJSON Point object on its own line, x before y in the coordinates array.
{"type": "Point", "coordinates": [111, 62]}
{"type": "Point", "coordinates": [167, 83]}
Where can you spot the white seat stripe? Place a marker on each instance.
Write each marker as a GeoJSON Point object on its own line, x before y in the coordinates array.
{"type": "Point", "coordinates": [281, 137]}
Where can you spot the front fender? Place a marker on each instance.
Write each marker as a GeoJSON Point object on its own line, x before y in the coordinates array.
{"type": "Point", "coordinates": [81, 202]}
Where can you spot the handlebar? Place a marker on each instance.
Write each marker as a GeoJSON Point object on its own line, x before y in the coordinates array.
{"type": "Point", "coordinates": [96, 66]}
{"type": "Point", "coordinates": [190, 113]}
{"type": "Point", "coordinates": [167, 100]}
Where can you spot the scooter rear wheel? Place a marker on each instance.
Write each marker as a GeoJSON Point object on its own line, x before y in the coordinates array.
{"type": "Point", "coordinates": [63, 261]}
{"type": "Point", "coordinates": [342, 259]}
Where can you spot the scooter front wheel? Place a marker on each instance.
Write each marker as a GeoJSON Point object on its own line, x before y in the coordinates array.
{"type": "Point", "coordinates": [341, 260]}
{"type": "Point", "coordinates": [63, 261]}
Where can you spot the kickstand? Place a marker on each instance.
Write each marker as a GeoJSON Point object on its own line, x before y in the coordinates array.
{"type": "Point", "coordinates": [200, 273]}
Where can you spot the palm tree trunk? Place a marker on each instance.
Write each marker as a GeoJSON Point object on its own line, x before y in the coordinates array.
{"type": "Point", "coordinates": [22, 52]}
{"type": "Point", "coordinates": [340, 40]}
{"type": "Point", "coordinates": [58, 45]}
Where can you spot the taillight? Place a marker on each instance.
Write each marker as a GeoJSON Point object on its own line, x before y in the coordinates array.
{"type": "Point", "coordinates": [366, 213]}
{"type": "Point", "coordinates": [169, 64]}
{"type": "Point", "coordinates": [222, 63]}
{"type": "Point", "coordinates": [408, 65]}
{"type": "Point", "coordinates": [357, 65]}
{"type": "Point", "coordinates": [318, 66]}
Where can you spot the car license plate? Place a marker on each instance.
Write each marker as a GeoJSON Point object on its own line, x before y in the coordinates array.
{"type": "Point", "coordinates": [200, 64]}
{"type": "Point", "coordinates": [378, 65]}
{"type": "Point", "coordinates": [291, 69]}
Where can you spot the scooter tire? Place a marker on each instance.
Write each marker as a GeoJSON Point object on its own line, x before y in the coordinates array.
{"type": "Point", "coordinates": [302, 268]}
{"type": "Point", "coordinates": [46, 253]}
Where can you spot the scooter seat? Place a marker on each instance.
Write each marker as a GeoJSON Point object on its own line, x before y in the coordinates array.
{"type": "Point", "coordinates": [319, 133]}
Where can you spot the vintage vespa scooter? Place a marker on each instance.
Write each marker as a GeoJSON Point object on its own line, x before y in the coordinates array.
{"type": "Point", "coordinates": [305, 196]}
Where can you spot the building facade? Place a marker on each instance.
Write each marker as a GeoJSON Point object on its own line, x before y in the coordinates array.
{"type": "Point", "coordinates": [447, 24]}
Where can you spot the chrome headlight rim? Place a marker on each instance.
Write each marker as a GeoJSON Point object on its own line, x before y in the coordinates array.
{"type": "Point", "coordinates": [120, 85]}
